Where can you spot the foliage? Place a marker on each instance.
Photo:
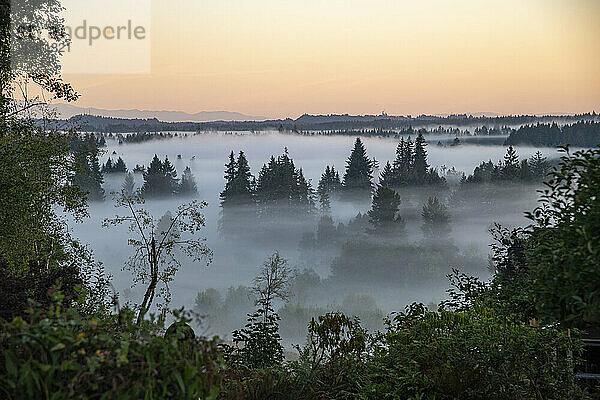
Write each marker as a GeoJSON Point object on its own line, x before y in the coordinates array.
{"type": "Point", "coordinates": [88, 175]}
{"type": "Point", "coordinates": [128, 186]}
{"type": "Point", "coordinates": [410, 166]}
{"type": "Point", "coordinates": [333, 356]}
{"type": "Point", "coordinates": [258, 344]}
{"type": "Point", "coordinates": [471, 355]}
{"type": "Point", "coordinates": [564, 257]}
{"type": "Point", "coordinates": [60, 353]}
{"type": "Point", "coordinates": [117, 167]}
{"type": "Point", "coordinates": [281, 184]}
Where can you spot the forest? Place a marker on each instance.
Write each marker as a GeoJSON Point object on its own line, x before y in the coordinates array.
{"type": "Point", "coordinates": [511, 322]}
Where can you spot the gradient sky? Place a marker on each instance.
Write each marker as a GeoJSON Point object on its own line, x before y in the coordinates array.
{"type": "Point", "coordinates": [286, 57]}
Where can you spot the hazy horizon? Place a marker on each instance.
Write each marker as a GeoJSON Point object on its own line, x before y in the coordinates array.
{"type": "Point", "coordinates": [278, 59]}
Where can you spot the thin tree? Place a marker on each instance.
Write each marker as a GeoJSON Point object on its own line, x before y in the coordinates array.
{"type": "Point", "coordinates": [128, 185]}
{"type": "Point", "coordinates": [157, 243]}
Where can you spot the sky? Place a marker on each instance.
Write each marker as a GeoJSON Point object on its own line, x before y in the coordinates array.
{"type": "Point", "coordinates": [280, 58]}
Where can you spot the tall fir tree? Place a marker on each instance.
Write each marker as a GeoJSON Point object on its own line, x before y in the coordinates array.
{"type": "Point", "coordinates": [188, 187]}
{"type": "Point", "coordinates": [510, 167]}
{"type": "Point", "coordinates": [242, 184]}
{"type": "Point", "coordinates": [359, 170]}
{"type": "Point", "coordinates": [420, 166]}
{"type": "Point", "coordinates": [383, 215]}
{"type": "Point", "coordinates": [160, 179]}
{"type": "Point", "coordinates": [538, 166]}
{"type": "Point", "coordinates": [119, 166]}
{"type": "Point", "coordinates": [88, 174]}
{"type": "Point", "coordinates": [170, 176]}
{"type": "Point", "coordinates": [387, 176]}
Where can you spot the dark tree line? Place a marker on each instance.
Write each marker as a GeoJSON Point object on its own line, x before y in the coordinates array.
{"type": "Point", "coordinates": [160, 180]}
{"type": "Point", "coordinates": [88, 173]}
{"type": "Point", "coordinates": [578, 134]}
{"type": "Point", "coordinates": [279, 184]}
{"type": "Point", "coordinates": [410, 168]}
{"type": "Point", "coordinates": [510, 169]}
{"type": "Point", "coordinates": [114, 167]}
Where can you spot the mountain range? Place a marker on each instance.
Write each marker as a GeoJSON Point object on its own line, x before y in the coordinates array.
{"type": "Point", "coordinates": [66, 111]}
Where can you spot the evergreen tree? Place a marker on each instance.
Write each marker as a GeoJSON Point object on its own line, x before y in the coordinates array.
{"type": "Point", "coordinates": [170, 176]}
{"type": "Point", "coordinates": [88, 174]}
{"type": "Point", "coordinates": [383, 214]}
{"type": "Point", "coordinates": [359, 169]}
{"type": "Point", "coordinates": [159, 179]}
{"type": "Point", "coordinates": [387, 176]}
{"type": "Point", "coordinates": [420, 166]}
{"type": "Point", "coordinates": [510, 167]}
{"type": "Point", "coordinates": [230, 172]}
{"type": "Point", "coordinates": [243, 187]}
{"type": "Point", "coordinates": [188, 187]}
{"type": "Point", "coordinates": [402, 165]}
{"type": "Point", "coordinates": [324, 199]}
{"type": "Point", "coordinates": [128, 185]}
{"type": "Point", "coordinates": [436, 219]}
{"type": "Point", "coordinates": [281, 183]}
{"type": "Point", "coordinates": [108, 166]}
{"type": "Point", "coordinates": [119, 166]}
{"type": "Point", "coordinates": [538, 166]}
{"type": "Point", "coordinates": [326, 231]}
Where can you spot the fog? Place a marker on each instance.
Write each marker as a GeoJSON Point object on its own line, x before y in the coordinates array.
{"type": "Point", "coordinates": [237, 259]}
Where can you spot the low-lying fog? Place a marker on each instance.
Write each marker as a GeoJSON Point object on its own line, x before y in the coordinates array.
{"type": "Point", "coordinates": [237, 261]}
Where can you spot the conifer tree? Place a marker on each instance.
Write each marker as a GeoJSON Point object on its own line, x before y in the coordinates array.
{"type": "Point", "coordinates": [324, 199]}
{"type": "Point", "coordinates": [387, 176]}
{"type": "Point", "coordinates": [538, 166]}
{"type": "Point", "coordinates": [326, 231]}
{"type": "Point", "coordinates": [159, 179]}
{"type": "Point", "coordinates": [510, 167]}
{"type": "Point", "coordinates": [420, 166]}
{"type": "Point", "coordinates": [359, 169]}
{"type": "Point", "coordinates": [170, 176]}
{"type": "Point", "coordinates": [119, 166]}
{"type": "Point", "coordinates": [108, 166]}
{"type": "Point", "coordinates": [230, 172]}
{"type": "Point", "coordinates": [88, 174]}
{"type": "Point", "coordinates": [383, 214]}
{"type": "Point", "coordinates": [188, 187]}
{"type": "Point", "coordinates": [242, 183]}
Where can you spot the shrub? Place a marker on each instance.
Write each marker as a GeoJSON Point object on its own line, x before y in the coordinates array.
{"type": "Point", "coordinates": [62, 354]}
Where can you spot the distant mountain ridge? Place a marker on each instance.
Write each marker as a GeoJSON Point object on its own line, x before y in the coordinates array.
{"type": "Point", "coordinates": [92, 123]}
{"type": "Point", "coordinates": [66, 111]}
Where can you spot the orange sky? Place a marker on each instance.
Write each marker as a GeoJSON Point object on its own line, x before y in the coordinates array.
{"type": "Point", "coordinates": [286, 57]}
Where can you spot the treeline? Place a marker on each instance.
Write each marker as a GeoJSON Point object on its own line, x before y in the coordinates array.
{"type": "Point", "coordinates": [159, 179]}
{"type": "Point", "coordinates": [89, 123]}
{"type": "Point", "coordinates": [510, 169]}
{"type": "Point", "coordinates": [281, 183]}
{"type": "Point", "coordinates": [579, 134]}
{"type": "Point", "coordinates": [406, 131]}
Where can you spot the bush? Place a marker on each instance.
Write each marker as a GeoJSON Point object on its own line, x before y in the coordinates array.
{"type": "Point", "coordinates": [471, 355]}
{"type": "Point", "coordinates": [62, 354]}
